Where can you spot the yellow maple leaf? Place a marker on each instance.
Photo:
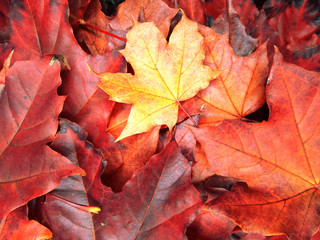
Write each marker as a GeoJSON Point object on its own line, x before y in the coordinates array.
{"type": "Point", "coordinates": [164, 74]}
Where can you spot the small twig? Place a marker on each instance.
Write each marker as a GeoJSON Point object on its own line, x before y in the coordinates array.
{"type": "Point", "coordinates": [192, 120]}
{"type": "Point", "coordinates": [82, 22]}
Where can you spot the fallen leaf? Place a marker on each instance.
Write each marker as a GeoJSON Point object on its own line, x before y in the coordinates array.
{"type": "Point", "coordinates": [239, 89]}
{"type": "Point", "coordinates": [94, 118]}
{"type": "Point", "coordinates": [210, 225]}
{"type": "Point", "coordinates": [201, 169]}
{"type": "Point", "coordinates": [242, 43]}
{"type": "Point", "coordinates": [29, 107]}
{"type": "Point", "coordinates": [163, 184]}
{"type": "Point", "coordinates": [17, 226]}
{"type": "Point", "coordinates": [188, 108]}
{"type": "Point", "coordinates": [46, 30]}
{"type": "Point", "coordinates": [77, 9]}
{"type": "Point", "coordinates": [246, 10]}
{"type": "Point", "coordinates": [97, 42]}
{"type": "Point", "coordinates": [297, 29]}
{"type": "Point", "coordinates": [294, 21]}
{"type": "Point", "coordinates": [165, 74]}
{"type": "Point", "coordinates": [150, 10]}
{"type": "Point", "coordinates": [86, 104]}
{"type": "Point", "coordinates": [238, 17]}
{"type": "Point", "coordinates": [72, 198]}
{"type": "Point", "coordinates": [194, 10]}
{"type": "Point", "coordinates": [277, 158]}
{"type": "Point", "coordinates": [122, 164]}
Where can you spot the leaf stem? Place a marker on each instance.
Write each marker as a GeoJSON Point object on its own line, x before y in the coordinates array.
{"type": "Point", "coordinates": [192, 120]}
{"type": "Point", "coordinates": [82, 22]}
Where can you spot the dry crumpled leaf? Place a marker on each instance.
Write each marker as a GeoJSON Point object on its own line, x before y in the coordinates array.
{"type": "Point", "coordinates": [165, 74]}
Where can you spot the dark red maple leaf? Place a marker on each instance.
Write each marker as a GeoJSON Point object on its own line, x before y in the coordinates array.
{"type": "Point", "coordinates": [53, 34]}
{"type": "Point", "coordinates": [29, 107]}
{"type": "Point", "coordinates": [72, 199]}
{"type": "Point", "coordinates": [164, 183]}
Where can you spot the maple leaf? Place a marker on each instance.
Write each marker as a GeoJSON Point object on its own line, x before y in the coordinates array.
{"type": "Point", "coordinates": [294, 21]}
{"type": "Point", "coordinates": [72, 198]}
{"type": "Point", "coordinates": [215, 8]}
{"type": "Point", "coordinates": [94, 41]}
{"type": "Point", "coordinates": [46, 30]}
{"type": "Point", "coordinates": [149, 10]}
{"type": "Point", "coordinates": [86, 103]}
{"type": "Point", "coordinates": [29, 107]}
{"type": "Point", "coordinates": [278, 159]}
{"type": "Point", "coordinates": [17, 226]}
{"type": "Point", "coordinates": [297, 28]}
{"type": "Point", "coordinates": [164, 183]}
{"type": "Point", "coordinates": [239, 90]}
{"type": "Point", "coordinates": [165, 74]}
{"type": "Point", "coordinates": [124, 162]}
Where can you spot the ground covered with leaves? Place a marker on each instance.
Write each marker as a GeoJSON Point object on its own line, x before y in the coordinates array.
{"type": "Point", "coordinates": [184, 119]}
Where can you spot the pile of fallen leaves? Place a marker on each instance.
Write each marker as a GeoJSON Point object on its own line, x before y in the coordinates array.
{"type": "Point", "coordinates": [183, 119]}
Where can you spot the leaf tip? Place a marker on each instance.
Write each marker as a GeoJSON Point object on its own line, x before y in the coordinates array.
{"type": "Point", "coordinates": [60, 58]}
{"type": "Point", "coordinates": [82, 173]}
{"type": "Point", "coordinates": [89, 68]}
{"type": "Point", "coordinates": [93, 209]}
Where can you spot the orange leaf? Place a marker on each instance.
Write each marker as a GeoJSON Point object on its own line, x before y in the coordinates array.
{"type": "Point", "coordinates": [279, 159]}
{"type": "Point", "coordinates": [239, 90]}
{"type": "Point", "coordinates": [165, 74]}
